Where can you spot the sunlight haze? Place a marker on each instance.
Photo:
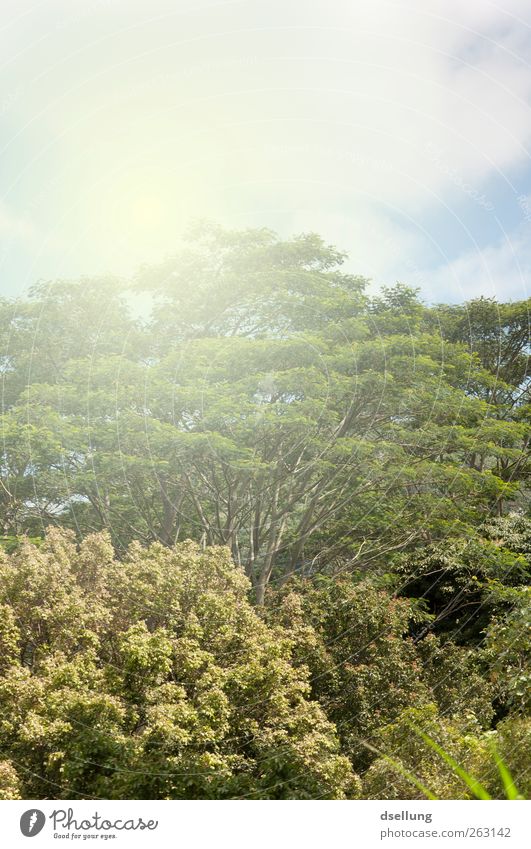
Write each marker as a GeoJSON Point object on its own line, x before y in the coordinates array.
{"type": "Point", "coordinates": [399, 131]}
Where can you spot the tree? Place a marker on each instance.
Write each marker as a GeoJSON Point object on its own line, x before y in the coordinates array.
{"type": "Point", "coordinates": [151, 678]}
{"type": "Point", "coordinates": [499, 335]}
{"type": "Point", "coordinates": [269, 406]}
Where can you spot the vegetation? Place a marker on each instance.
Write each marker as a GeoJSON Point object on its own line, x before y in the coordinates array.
{"type": "Point", "coordinates": [270, 539]}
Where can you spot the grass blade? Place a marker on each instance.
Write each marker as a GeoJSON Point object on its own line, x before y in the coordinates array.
{"type": "Point", "coordinates": [403, 771]}
{"type": "Point", "coordinates": [472, 783]}
{"type": "Point", "coordinates": [510, 788]}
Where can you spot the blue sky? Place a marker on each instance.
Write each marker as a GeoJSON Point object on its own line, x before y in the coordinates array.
{"type": "Point", "coordinates": [400, 131]}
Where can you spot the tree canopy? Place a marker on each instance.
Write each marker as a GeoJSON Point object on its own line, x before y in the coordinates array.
{"type": "Point", "coordinates": [252, 514]}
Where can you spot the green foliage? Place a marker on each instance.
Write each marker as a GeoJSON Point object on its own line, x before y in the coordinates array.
{"type": "Point", "coordinates": [507, 648]}
{"type": "Point", "coordinates": [468, 581]}
{"type": "Point", "coordinates": [365, 668]}
{"type": "Point", "coordinates": [9, 782]}
{"type": "Point", "coordinates": [424, 755]}
{"type": "Point", "coordinates": [358, 467]}
{"type": "Point", "coordinates": [351, 635]}
{"type": "Point", "coordinates": [152, 677]}
{"type": "Point", "coordinates": [472, 787]}
{"type": "Point", "coordinates": [267, 405]}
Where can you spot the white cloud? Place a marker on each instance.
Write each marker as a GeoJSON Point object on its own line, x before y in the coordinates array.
{"type": "Point", "coordinates": [501, 271]}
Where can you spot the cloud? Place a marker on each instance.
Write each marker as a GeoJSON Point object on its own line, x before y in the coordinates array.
{"type": "Point", "coordinates": [500, 271]}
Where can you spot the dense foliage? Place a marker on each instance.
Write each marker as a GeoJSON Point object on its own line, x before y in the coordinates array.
{"type": "Point", "coordinates": [153, 677]}
{"type": "Point", "coordinates": [257, 534]}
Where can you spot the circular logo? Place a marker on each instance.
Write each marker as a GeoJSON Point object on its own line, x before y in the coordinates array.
{"type": "Point", "coordinates": [31, 822]}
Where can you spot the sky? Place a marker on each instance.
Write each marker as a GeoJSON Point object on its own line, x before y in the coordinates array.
{"type": "Point", "coordinates": [399, 131]}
